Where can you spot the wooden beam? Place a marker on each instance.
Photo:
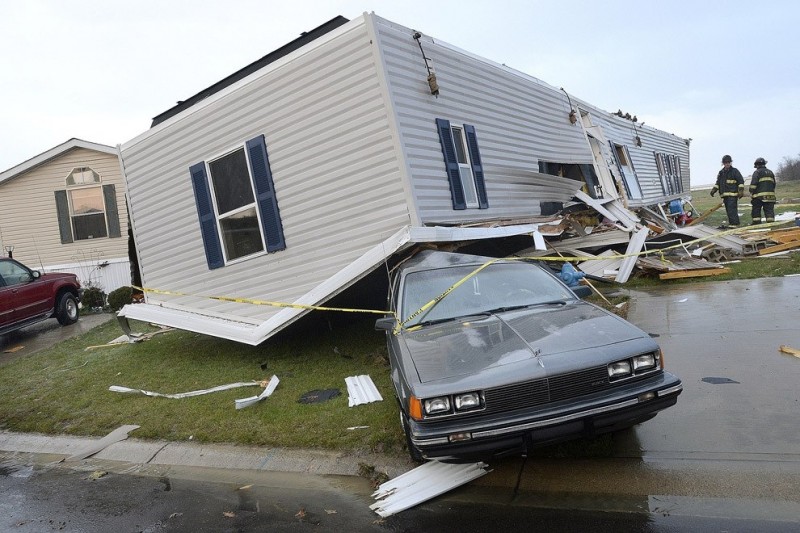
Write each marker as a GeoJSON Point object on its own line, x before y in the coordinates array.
{"type": "Point", "coordinates": [678, 274]}
{"type": "Point", "coordinates": [704, 215]}
{"type": "Point", "coordinates": [779, 248]}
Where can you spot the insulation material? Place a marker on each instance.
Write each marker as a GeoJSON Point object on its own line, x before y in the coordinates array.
{"type": "Point", "coordinates": [423, 483]}
{"type": "Point", "coordinates": [268, 390]}
{"type": "Point", "coordinates": [361, 390]}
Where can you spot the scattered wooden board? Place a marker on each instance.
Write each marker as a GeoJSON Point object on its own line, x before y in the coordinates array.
{"type": "Point", "coordinates": [695, 273]}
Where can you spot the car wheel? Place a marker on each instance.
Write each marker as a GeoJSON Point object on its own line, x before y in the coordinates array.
{"type": "Point", "coordinates": [67, 309]}
{"type": "Point", "coordinates": [413, 451]}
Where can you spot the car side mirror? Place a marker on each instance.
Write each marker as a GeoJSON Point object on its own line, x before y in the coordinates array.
{"type": "Point", "coordinates": [36, 274]}
{"type": "Point", "coordinates": [582, 291]}
{"type": "Point", "coordinates": [385, 324]}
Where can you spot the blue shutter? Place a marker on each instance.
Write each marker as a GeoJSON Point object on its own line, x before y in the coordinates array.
{"type": "Point", "coordinates": [205, 211]}
{"type": "Point", "coordinates": [477, 166]}
{"type": "Point", "coordinates": [112, 213]}
{"type": "Point", "coordinates": [265, 194]}
{"type": "Point", "coordinates": [451, 164]}
{"type": "Point", "coordinates": [62, 212]}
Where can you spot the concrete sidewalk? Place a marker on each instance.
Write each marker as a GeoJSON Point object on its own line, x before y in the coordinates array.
{"type": "Point", "coordinates": [192, 454]}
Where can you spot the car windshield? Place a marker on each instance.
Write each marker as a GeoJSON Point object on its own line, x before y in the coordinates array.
{"type": "Point", "coordinates": [498, 287]}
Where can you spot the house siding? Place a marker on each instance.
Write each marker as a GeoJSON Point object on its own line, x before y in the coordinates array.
{"type": "Point", "coordinates": [28, 219]}
{"type": "Point", "coordinates": [519, 120]}
{"type": "Point", "coordinates": [623, 132]}
{"type": "Point", "coordinates": [334, 164]}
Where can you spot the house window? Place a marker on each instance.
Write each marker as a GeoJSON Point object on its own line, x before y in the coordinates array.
{"type": "Point", "coordinates": [463, 164]}
{"type": "Point", "coordinates": [669, 172]}
{"type": "Point", "coordinates": [86, 204]}
{"type": "Point", "coordinates": [625, 167]}
{"type": "Point", "coordinates": [236, 204]}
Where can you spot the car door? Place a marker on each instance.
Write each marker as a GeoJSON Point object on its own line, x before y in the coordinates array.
{"type": "Point", "coordinates": [6, 306]}
{"type": "Point", "coordinates": [26, 296]}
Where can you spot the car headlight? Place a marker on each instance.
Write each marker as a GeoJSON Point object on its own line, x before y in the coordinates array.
{"type": "Point", "coordinates": [644, 362]}
{"type": "Point", "coordinates": [435, 406]}
{"type": "Point", "coordinates": [470, 400]}
{"type": "Point", "coordinates": [619, 369]}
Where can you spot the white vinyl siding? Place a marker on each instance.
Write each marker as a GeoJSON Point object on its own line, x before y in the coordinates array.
{"type": "Point", "coordinates": [334, 164]}
{"type": "Point", "coordinates": [518, 120]}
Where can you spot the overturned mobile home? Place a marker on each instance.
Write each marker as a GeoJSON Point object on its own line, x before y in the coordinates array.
{"type": "Point", "coordinates": [295, 177]}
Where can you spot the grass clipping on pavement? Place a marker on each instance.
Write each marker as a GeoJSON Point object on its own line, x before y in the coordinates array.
{"type": "Point", "coordinates": [64, 390]}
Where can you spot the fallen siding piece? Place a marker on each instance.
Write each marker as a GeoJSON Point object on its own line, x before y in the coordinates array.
{"type": "Point", "coordinates": [423, 483]}
{"type": "Point", "coordinates": [121, 433]}
{"type": "Point", "coordinates": [126, 390]}
{"type": "Point", "coordinates": [361, 390]}
{"type": "Point", "coordinates": [268, 390]}
{"type": "Point", "coordinates": [631, 254]}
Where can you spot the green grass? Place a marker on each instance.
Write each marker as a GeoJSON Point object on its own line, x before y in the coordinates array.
{"type": "Point", "coordinates": [65, 389]}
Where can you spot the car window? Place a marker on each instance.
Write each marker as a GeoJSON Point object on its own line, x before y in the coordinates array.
{"type": "Point", "coordinates": [496, 286]}
{"type": "Point", "coordinates": [13, 274]}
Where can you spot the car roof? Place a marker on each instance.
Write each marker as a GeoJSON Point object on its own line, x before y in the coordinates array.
{"type": "Point", "coordinates": [427, 259]}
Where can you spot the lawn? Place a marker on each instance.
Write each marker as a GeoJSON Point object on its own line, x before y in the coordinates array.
{"type": "Point", "coordinates": [65, 389]}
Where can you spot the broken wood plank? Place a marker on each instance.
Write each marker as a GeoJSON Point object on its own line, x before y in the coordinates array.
{"type": "Point", "coordinates": [678, 274]}
{"type": "Point", "coordinates": [789, 350]}
{"type": "Point", "coordinates": [704, 215]}
{"type": "Point", "coordinates": [779, 248]}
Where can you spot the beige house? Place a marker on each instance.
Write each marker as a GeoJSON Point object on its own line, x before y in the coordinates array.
{"type": "Point", "coordinates": [64, 210]}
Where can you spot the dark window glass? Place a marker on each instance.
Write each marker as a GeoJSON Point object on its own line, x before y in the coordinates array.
{"type": "Point", "coordinates": [241, 234]}
{"type": "Point", "coordinates": [231, 179]}
{"type": "Point", "coordinates": [90, 226]}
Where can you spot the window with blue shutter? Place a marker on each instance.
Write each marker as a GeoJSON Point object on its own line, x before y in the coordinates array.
{"type": "Point", "coordinates": [462, 161]}
{"type": "Point", "coordinates": [236, 204]}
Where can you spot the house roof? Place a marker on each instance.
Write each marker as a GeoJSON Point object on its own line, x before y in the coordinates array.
{"type": "Point", "coordinates": [52, 153]}
{"type": "Point", "coordinates": [305, 38]}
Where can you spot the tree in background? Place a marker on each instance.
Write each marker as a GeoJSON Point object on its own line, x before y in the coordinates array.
{"type": "Point", "coordinates": [789, 169]}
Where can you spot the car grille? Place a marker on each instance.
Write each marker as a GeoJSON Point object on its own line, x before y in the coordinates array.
{"type": "Point", "coordinates": [553, 389]}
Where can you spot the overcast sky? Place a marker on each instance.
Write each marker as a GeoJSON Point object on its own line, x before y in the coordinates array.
{"type": "Point", "coordinates": [725, 74]}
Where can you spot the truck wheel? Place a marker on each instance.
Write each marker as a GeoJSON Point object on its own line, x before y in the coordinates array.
{"type": "Point", "coordinates": [67, 309]}
{"type": "Point", "coordinates": [413, 451]}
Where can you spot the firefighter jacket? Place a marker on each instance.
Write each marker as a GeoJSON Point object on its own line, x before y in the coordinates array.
{"type": "Point", "coordinates": [729, 183]}
{"type": "Point", "coordinates": [762, 185]}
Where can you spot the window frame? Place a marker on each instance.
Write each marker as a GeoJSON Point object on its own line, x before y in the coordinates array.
{"type": "Point", "coordinates": [218, 217]}
{"type": "Point", "coordinates": [96, 184]}
{"type": "Point", "coordinates": [465, 167]}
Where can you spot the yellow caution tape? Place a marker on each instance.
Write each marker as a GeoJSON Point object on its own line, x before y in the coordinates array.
{"type": "Point", "coordinates": [437, 299]}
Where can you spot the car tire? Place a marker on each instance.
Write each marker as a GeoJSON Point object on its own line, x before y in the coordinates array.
{"type": "Point", "coordinates": [67, 309]}
{"type": "Point", "coordinates": [413, 451]}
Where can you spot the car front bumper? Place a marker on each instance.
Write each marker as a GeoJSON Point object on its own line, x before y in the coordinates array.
{"type": "Point", "coordinates": [516, 433]}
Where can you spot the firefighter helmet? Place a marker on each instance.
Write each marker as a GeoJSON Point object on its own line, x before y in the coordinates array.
{"type": "Point", "coordinates": [726, 159]}
{"type": "Point", "coordinates": [760, 162]}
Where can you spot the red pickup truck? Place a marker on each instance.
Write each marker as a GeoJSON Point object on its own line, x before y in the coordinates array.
{"type": "Point", "coordinates": [27, 296]}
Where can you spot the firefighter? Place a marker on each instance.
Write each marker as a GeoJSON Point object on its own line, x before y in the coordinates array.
{"type": "Point", "coordinates": [762, 189]}
{"type": "Point", "coordinates": [730, 185]}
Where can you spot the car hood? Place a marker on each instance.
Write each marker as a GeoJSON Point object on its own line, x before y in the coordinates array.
{"type": "Point", "coordinates": [55, 276]}
{"type": "Point", "coordinates": [518, 338]}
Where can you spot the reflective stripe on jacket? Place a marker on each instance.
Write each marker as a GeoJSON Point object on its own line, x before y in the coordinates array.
{"type": "Point", "coordinates": [729, 182]}
{"type": "Point", "coordinates": [762, 185]}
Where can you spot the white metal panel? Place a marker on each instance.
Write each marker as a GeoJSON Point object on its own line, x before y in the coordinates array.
{"type": "Point", "coordinates": [423, 483]}
{"type": "Point", "coordinates": [334, 166]}
{"type": "Point", "coordinates": [519, 120]}
{"type": "Point", "coordinates": [360, 390]}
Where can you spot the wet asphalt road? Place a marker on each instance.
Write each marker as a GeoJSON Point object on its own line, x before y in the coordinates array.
{"type": "Point", "coordinates": [725, 458]}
